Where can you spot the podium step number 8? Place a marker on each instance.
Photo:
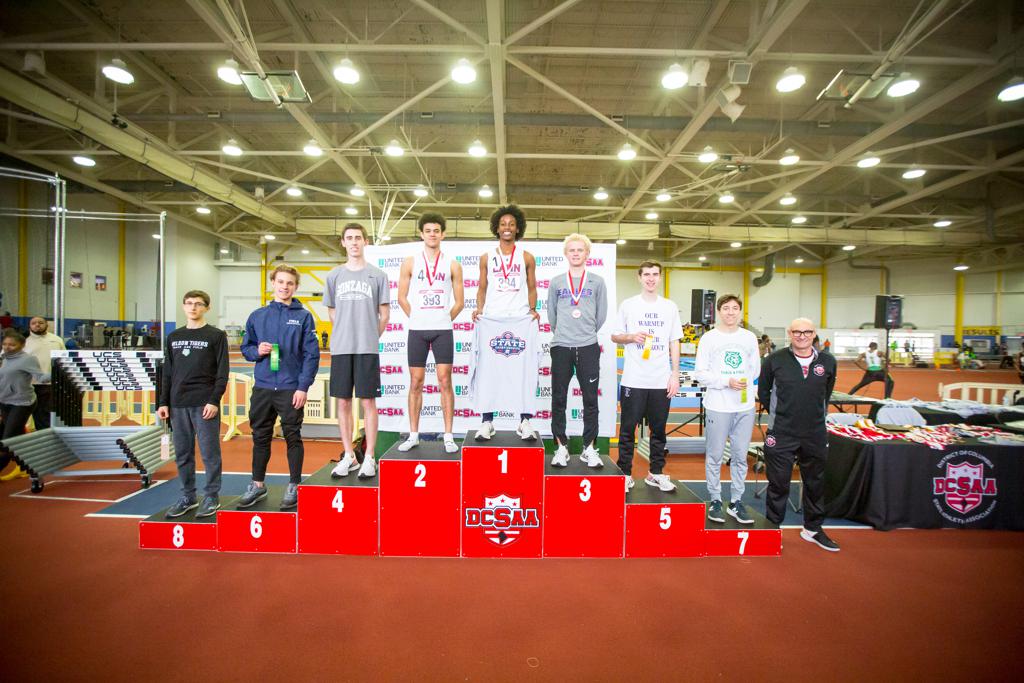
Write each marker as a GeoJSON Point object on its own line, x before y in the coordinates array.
{"type": "Point", "coordinates": [178, 536]}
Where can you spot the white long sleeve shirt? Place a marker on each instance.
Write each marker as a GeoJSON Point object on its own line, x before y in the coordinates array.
{"type": "Point", "coordinates": [723, 356]}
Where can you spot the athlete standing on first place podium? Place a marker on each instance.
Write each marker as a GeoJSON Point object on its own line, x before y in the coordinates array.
{"type": "Point", "coordinates": [435, 280]}
{"type": "Point", "coordinates": [577, 308]}
{"type": "Point", "coordinates": [504, 292]}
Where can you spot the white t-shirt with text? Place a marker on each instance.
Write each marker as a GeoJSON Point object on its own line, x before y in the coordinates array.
{"type": "Point", "coordinates": [659, 318]}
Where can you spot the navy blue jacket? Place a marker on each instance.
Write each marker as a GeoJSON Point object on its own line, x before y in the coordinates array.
{"type": "Point", "coordinates": [293, 330]}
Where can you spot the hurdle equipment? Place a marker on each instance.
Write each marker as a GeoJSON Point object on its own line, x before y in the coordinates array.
{"type": "Point", "coordinates": [584, 510]}
{"type": "Point", "coordinates": [38, 453]}
{"type": "Point", "coordinates": [181, 533]}
{"type": "Point", "coordinates": [261, 528]}
{"type": "Point", "coordinates": [142, 451]}
{"type": "Point", "coordinates": [338, 516]}
{"type": "Point", "coordinates": [664, 523]}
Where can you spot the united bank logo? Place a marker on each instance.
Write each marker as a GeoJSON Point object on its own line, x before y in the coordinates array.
{"type": "Point", "coordinates": [468, 260]}
{"type": "Point", "coordinates": [507, 344]}
{"type": "Point", "coordinates": [543, 261]}
{"type": "Point", "coordinates": [502, 519]}
{"type": "Point", "coordinates": [963, 487]}
{"type": "Point", "coordinates": [390, 347]}
{"type": "Point", "coordinates": [461, 390]}
{"type": "Point", "coordinates": [463, 347]}
{"type": "Point", "coordinates": [390, 262]}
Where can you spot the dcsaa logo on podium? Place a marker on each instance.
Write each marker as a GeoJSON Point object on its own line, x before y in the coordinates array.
{"type": "Point", "coordinates": [964, 487]}
{"type": "Point", "coordinates": [502, 518]}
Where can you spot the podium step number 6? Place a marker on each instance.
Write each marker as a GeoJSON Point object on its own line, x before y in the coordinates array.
{"type": "Point", "coordinates": [256, 526]}
{"type": "Point", "coordinates": [585, 492]}
{"type": "Point", "coordinates": [421, 476]}
{"type": "Point", "coordinates": [744, 536]}
{"type": "Point", "coordinates": [178, 536]}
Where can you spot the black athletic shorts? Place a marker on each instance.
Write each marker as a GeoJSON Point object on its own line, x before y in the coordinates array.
{"type": "Point", "coordinates": [358, 371]}
{"type": "Point", "coordinates": [442, 342]}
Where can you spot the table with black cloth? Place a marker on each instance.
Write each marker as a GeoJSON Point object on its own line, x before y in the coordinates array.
{"type": "Point", "coordinates": [892, 484]}
{"type": "Point", "coordinates": [936, 416]}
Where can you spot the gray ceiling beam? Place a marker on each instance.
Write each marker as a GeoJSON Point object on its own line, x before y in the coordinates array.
{"type": "Point", "coordinates": [496, 56]}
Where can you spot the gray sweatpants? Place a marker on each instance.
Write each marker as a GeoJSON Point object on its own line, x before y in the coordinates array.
{"type": "Point", "coordinates": [717, 428]}
{"type": "Point", "coordinates": [188, 425]}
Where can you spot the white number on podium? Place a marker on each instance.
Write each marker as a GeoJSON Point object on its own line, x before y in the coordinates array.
{"type": "Point", "coordinates": [178, 536]}
{"type": "Point", "coordinates": [744, 536]}
{"type": "Point", "coordinates": [421, 476]}
{"type": "Point", "coordinates": [503, 457]}
{"type": "Point", "coordinates": [256, 526]}
{"type": "Point", "coordinates": [666, 518]}
{"type": "Point", "coordinates": [337, 503]}
{"type": "Point", "coordinates": [585, 493]}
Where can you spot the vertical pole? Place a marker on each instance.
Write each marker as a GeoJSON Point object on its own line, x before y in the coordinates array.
{"type": "Point", "coordinates": [23, 248]}
{"type": "Point", "coordinates": [163, 280]}
{"type": "Point", "coordinates": [958, 325]}
{"type": "Point", "coordinates": [824, 297]}
{"type": "Point", "coordinates": [746, 294]}
{"type": "Point", "coordinates": [667, 283]}
{"type": "Point", "coordinates": [121, 270]}
{"type": "Point", "coordinates": [263, 275]}
{"type": "Point", "coordinates": [59, 239]}
{"type": "Point", "coordinates": [999, 301]}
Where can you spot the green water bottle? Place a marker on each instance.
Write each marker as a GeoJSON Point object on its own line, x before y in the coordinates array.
{"type": "Point", "coordinates": [275, 357]}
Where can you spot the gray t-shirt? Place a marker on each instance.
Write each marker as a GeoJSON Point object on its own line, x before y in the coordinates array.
{"type": "Point", "coordinates": [17, 373]}
{"type": "Point", "coordinates": [567, 330]}
{"type": "Point", "coordinates": [355, 295]}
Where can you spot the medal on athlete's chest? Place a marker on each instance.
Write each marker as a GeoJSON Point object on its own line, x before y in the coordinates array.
{"type": "Point", "coordinates": [576, 294]}
{"type": "Point", "coordinates": [577, 313]}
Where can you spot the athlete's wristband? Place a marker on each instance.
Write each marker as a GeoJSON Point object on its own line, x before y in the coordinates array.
{"type": "Point", "coordinates": [275, 357]}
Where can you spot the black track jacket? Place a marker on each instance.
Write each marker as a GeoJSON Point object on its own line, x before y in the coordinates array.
{"type": "Point", "coordinates": [796, 405]}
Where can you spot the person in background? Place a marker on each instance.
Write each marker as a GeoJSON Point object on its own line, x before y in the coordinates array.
{"type": "Point", "coordinates": [19, 370]}
{"type": "Point", "coordinates": [875, 365]}
{"type": "Point", "coordinates": [40, 343]}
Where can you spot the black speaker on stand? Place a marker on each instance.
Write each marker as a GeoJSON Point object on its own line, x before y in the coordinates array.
{"type": "Point", "coordinates": [888, 315]}
{"type": "Point", "coordinates": [702, 307]}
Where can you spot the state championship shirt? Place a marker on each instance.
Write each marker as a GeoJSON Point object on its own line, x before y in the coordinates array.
{"type": "Point", "coordinates": [660, 319]}
{"type": "Point", "coordinates": [507, 295]}
{"type": "Point", "coordinates": [355, 296]}
{"type": "Point", "coordinates": [506, 356]}
{"type": "Point", "coordinates": [723, 356]}
{"type": "Point", "coordinates": [430, 293]}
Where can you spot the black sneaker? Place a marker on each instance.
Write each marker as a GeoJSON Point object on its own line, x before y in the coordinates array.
{"type": "Point", "coordinates": [291, 497]}
{"type": "Point", "coordinates": [821, 539]}
{"type": "Point", "coordinates": [252, 495]}
{"type": "Point", "coordinates": [210, 505]}
{"type": "Point", "coordinates": [183, 505]}
{"type": "Point", "coordinates": [738, 511]}
{"type": "Point", "coordinates": [715, 511]}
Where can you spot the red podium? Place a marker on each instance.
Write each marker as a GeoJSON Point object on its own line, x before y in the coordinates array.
{"type": "Point", "coordinates": [420, 501]}
{"type": "Point", "coordinates": [181, 533]}
{"type": "Point", "coordinates": [338, 516]}
{"type": "Point", "coordinates": [502, 497]}
{"type": "Point", "coordinates": [262, 528]}
{"type": "Point", "coordinates": [664, 524]}
{"type": "Point", "coordinates": [583, 510]}
{"type": "Point", "coordinates": [732, 539]}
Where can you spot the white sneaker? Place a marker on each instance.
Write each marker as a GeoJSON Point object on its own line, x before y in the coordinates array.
{"type": "Point", "coordinates": [347, 464]}
{"type": "Point", "coordinates": [590, 457]}
{"type": "Point", "coordinates": [561, 457]}
{"type": "Point", "coordinates": [525, 431]}
{"type": "Point", "coordinates": [485, 432]}
{"type": "Point", "coordinates": [369, 468]}
{"type": "Point", "coordinates": [661, 481]}
{"type": "Point", "coordinates": [629, 483]}
{"type": "Point", "coordinates": [449, 444]}
{"type": "Point", "coordinates": [408, 444]}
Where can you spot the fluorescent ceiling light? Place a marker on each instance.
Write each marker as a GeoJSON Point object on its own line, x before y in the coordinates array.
{"type": "Point", "coordinates": [204, 210]}
{"type": "Point", "coordinates": [294, 192]}
{"type": "Point", "coordinates": [849, 247]}
{"type": "Point", "coordinates": [942, 223]}
{"type": "Point", "coordinates": [486, 192]}
{"type": "Point", "coordinates": [627, 153]}
{"type": "Point", "coordinates": [663, 196]}
{"type": "Point", "coordinates": [346, 72]}
{"type": "Point", "coordinates": [305, 251]}
{"type": "Point", "coordinates": [651, 216]}
{"type": "Point", "coordinates": [394, 149]}
{"type": "Point", "coordinates": [420, 191]}
{"type": "Point", "coordinates": [798, 259]}
{"type": "Point", "coordinates": [904, 85]}
{"type": "Point", "coordinates": [726, 198]}
{"type": "Point", "coordinates": [798, 220]}
{"type": "Point", "coordinates": [231, 148]}
{"type": "Point", "coordinates": [357, 191]}
{"type": "Point", "coordinates": [620, 241]}
{"type": "Point", "coordinates": [477, 149]}
{"type": "Point", "coordinates": [707, 156]}
{"type": "Point", "coordinates": [270, 238]}
{"type": "Point", "coordinates": [736, 245]}
{"type": "Point", "coordinates": [789, 158]}
{"type": "Point", "coordinates": [1012, 91]}
{"type": "Point", "coordinates": [868, 162]}
{"type": "Point", "coordinates": [463, 72]}
{"type": "Point", "coordinates": [788, 199]}
{"type": "Point", "coordinates": [118, 72]}
{"type": "Point", "coordinates": [791, 80]}
{"type": "Point", "coordinates": [913, 173]}
{"type": "Point", "coordinates": [702, 257]}
{"type": "Point", "coordinates": [228, 72]}
{"type": "Point", "coordinates": [83, 160]}
{"type": "Point", "coordinates": [225, 251]}
{"type": "Point", "coordinates": [351, 210]}
{"type": "Point", "coordinates": [961, 266]}
{"type": "Point", "coordinates": [313, 149]}
{"type": "Point", "coordinates": [156, 235]}
{"type": "Point", "coordinates": [675, 78]}
{"type": "Point", "coordinates": [600, 195]}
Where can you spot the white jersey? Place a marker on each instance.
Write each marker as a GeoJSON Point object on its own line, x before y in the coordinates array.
{"type": "Point", "coordinates": [506, 357]}
{"type": "Point", "coordinates": [722, 356]}
{"type": "Point", "coordinates": [874, 360]}
{"type": "Point", "coordinates": [648, 366]}
{"type": "Point", "coordinates": [430, 293]}
{"type": "Point", "coordinates": [507, 294]}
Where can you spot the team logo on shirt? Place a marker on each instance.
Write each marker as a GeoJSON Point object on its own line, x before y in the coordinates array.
{"type": "Point", "coordinates": [733, 359]}
{"type": "Point", "coordinates": [502, 517]}
{"type": "Point", "coordinates": [186, 352]}
{"type": "Point", "coordinates": [819, 370]}
{"type": "Point", "coordinates": [963, 487]}
{"type": "Point", "coordinates": [769, 441]}
{"type": "Point", "coordinates": [507, 344]}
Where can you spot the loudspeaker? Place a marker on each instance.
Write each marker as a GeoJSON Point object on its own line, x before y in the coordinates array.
{"type": "Point", "coordinates": [888, 311]}
{"type": "Point", "coordinates": [702, 307]}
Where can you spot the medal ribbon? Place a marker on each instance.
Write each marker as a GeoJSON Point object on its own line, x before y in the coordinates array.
{"type": "Point", "coordinates": [505, 270]}
{"type": "Point", "coordinates": [573, 294]}
{"type": "Point", "coordinates": [431, 273]}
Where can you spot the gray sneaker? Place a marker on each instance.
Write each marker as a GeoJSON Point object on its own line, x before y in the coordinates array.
{"type": "Point", "coordinates": [183, 505]}
{"type": "Point", "coordinates": [210, 505]}
{"type": "Point", "coordinates": [252, 495]}
{"type": "Point", "coordinates": [291, 497]}
{"type": "Point", "coordinates": [738, 511]}
{"type": "Point", "coordinates": [715, 511]}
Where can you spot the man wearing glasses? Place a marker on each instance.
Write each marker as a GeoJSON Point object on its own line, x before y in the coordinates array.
{"type": "Point", "coordinates": [795, 385]}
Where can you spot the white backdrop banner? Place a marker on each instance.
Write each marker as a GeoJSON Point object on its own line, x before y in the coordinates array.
{"type": "Point", "coordinates": [393, 407]}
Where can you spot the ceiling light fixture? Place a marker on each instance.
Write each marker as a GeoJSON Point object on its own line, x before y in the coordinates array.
{"type": "Point", "coordinates": [269, 237]}
{"type": "Point", "coordinates": [798, 220]}
{"type": "Point", "coordinates": [849, 247]}
{"type": "Point", "coordinates": [346, 72]}
{"type": "Point", "coordinates": [118, 72]}
{"type": "Point", "coordinates": [394, 149]}
{"type": "Point", "coordinates": [1012, 91]}
{"type": "Point", "coordinates": [83, 160]}
{"type": "Point", "coordinates": [943, 223]}
{"type": "Point", "coordinates": [789, 157]}
{"type": "Point", "coordinates": [156, 235]}
{"type": "Point", "coordinates": [798, 259]}
{"type": "Point", "coordinates": [790, 80]}
{"type": "Point", "coordinates": [913, 173]}
{"type": "Point", "coordinates": [663, 196]}
{"type": "Point", "coordinates": [228, 72]}
{"type": "Point", "coordinates": [225, 251]}
{"type": "Point", "coordinates": [736, 245]}
{"type": "Point", "coordinates": [477, 149]}
{"type": "Point", "coordinates": [868, 162]}
{"type": "Point", "coordinates": [726, 198]}
{"type": "Point", "coordinates": [651, 215]}
{"type": "Point", "coordinates": [486, 192]}
{"type": "Point", "coordinates": [600, 195]}
{"type": "Point", "coordinates": [961, 267]}
{"type": "Point", "coordinates": [626, 152]}
{"type": "Point", "coordinates": [420, 191]}
{"type": "Point", "coordinates": [294, 192]}
{"type": "Point", "coordinates": [788, 199]}
{"type": "Point", "coordinates": [702, 257]}
{"type": "Point", "coordinates": [351, 210]}
{"type": "Point", "coordinates": [707, 156]}
{"type": "Point", "coordinates": [357, 191]}
{"type": "Point", "coordinates": [620, 241]}
{"type": "Point", "coordinates": [675, 78]}
{"type": "Point", "coordinates": [463, 72]}
{"type": "Point", "coordinates": [313, 149]}
{"type": "Point", "coordinates": [903, 86]}
{"type": "Point", "coordinates": [203, 210]}
{"type": "Point", "coordinates": [305, 251]}
{"type": "Point", "coordinates": [231, 148]}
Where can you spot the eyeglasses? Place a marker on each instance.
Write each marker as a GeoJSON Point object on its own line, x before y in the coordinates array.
{"type": "Point", "coordinates": [801, 333]}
